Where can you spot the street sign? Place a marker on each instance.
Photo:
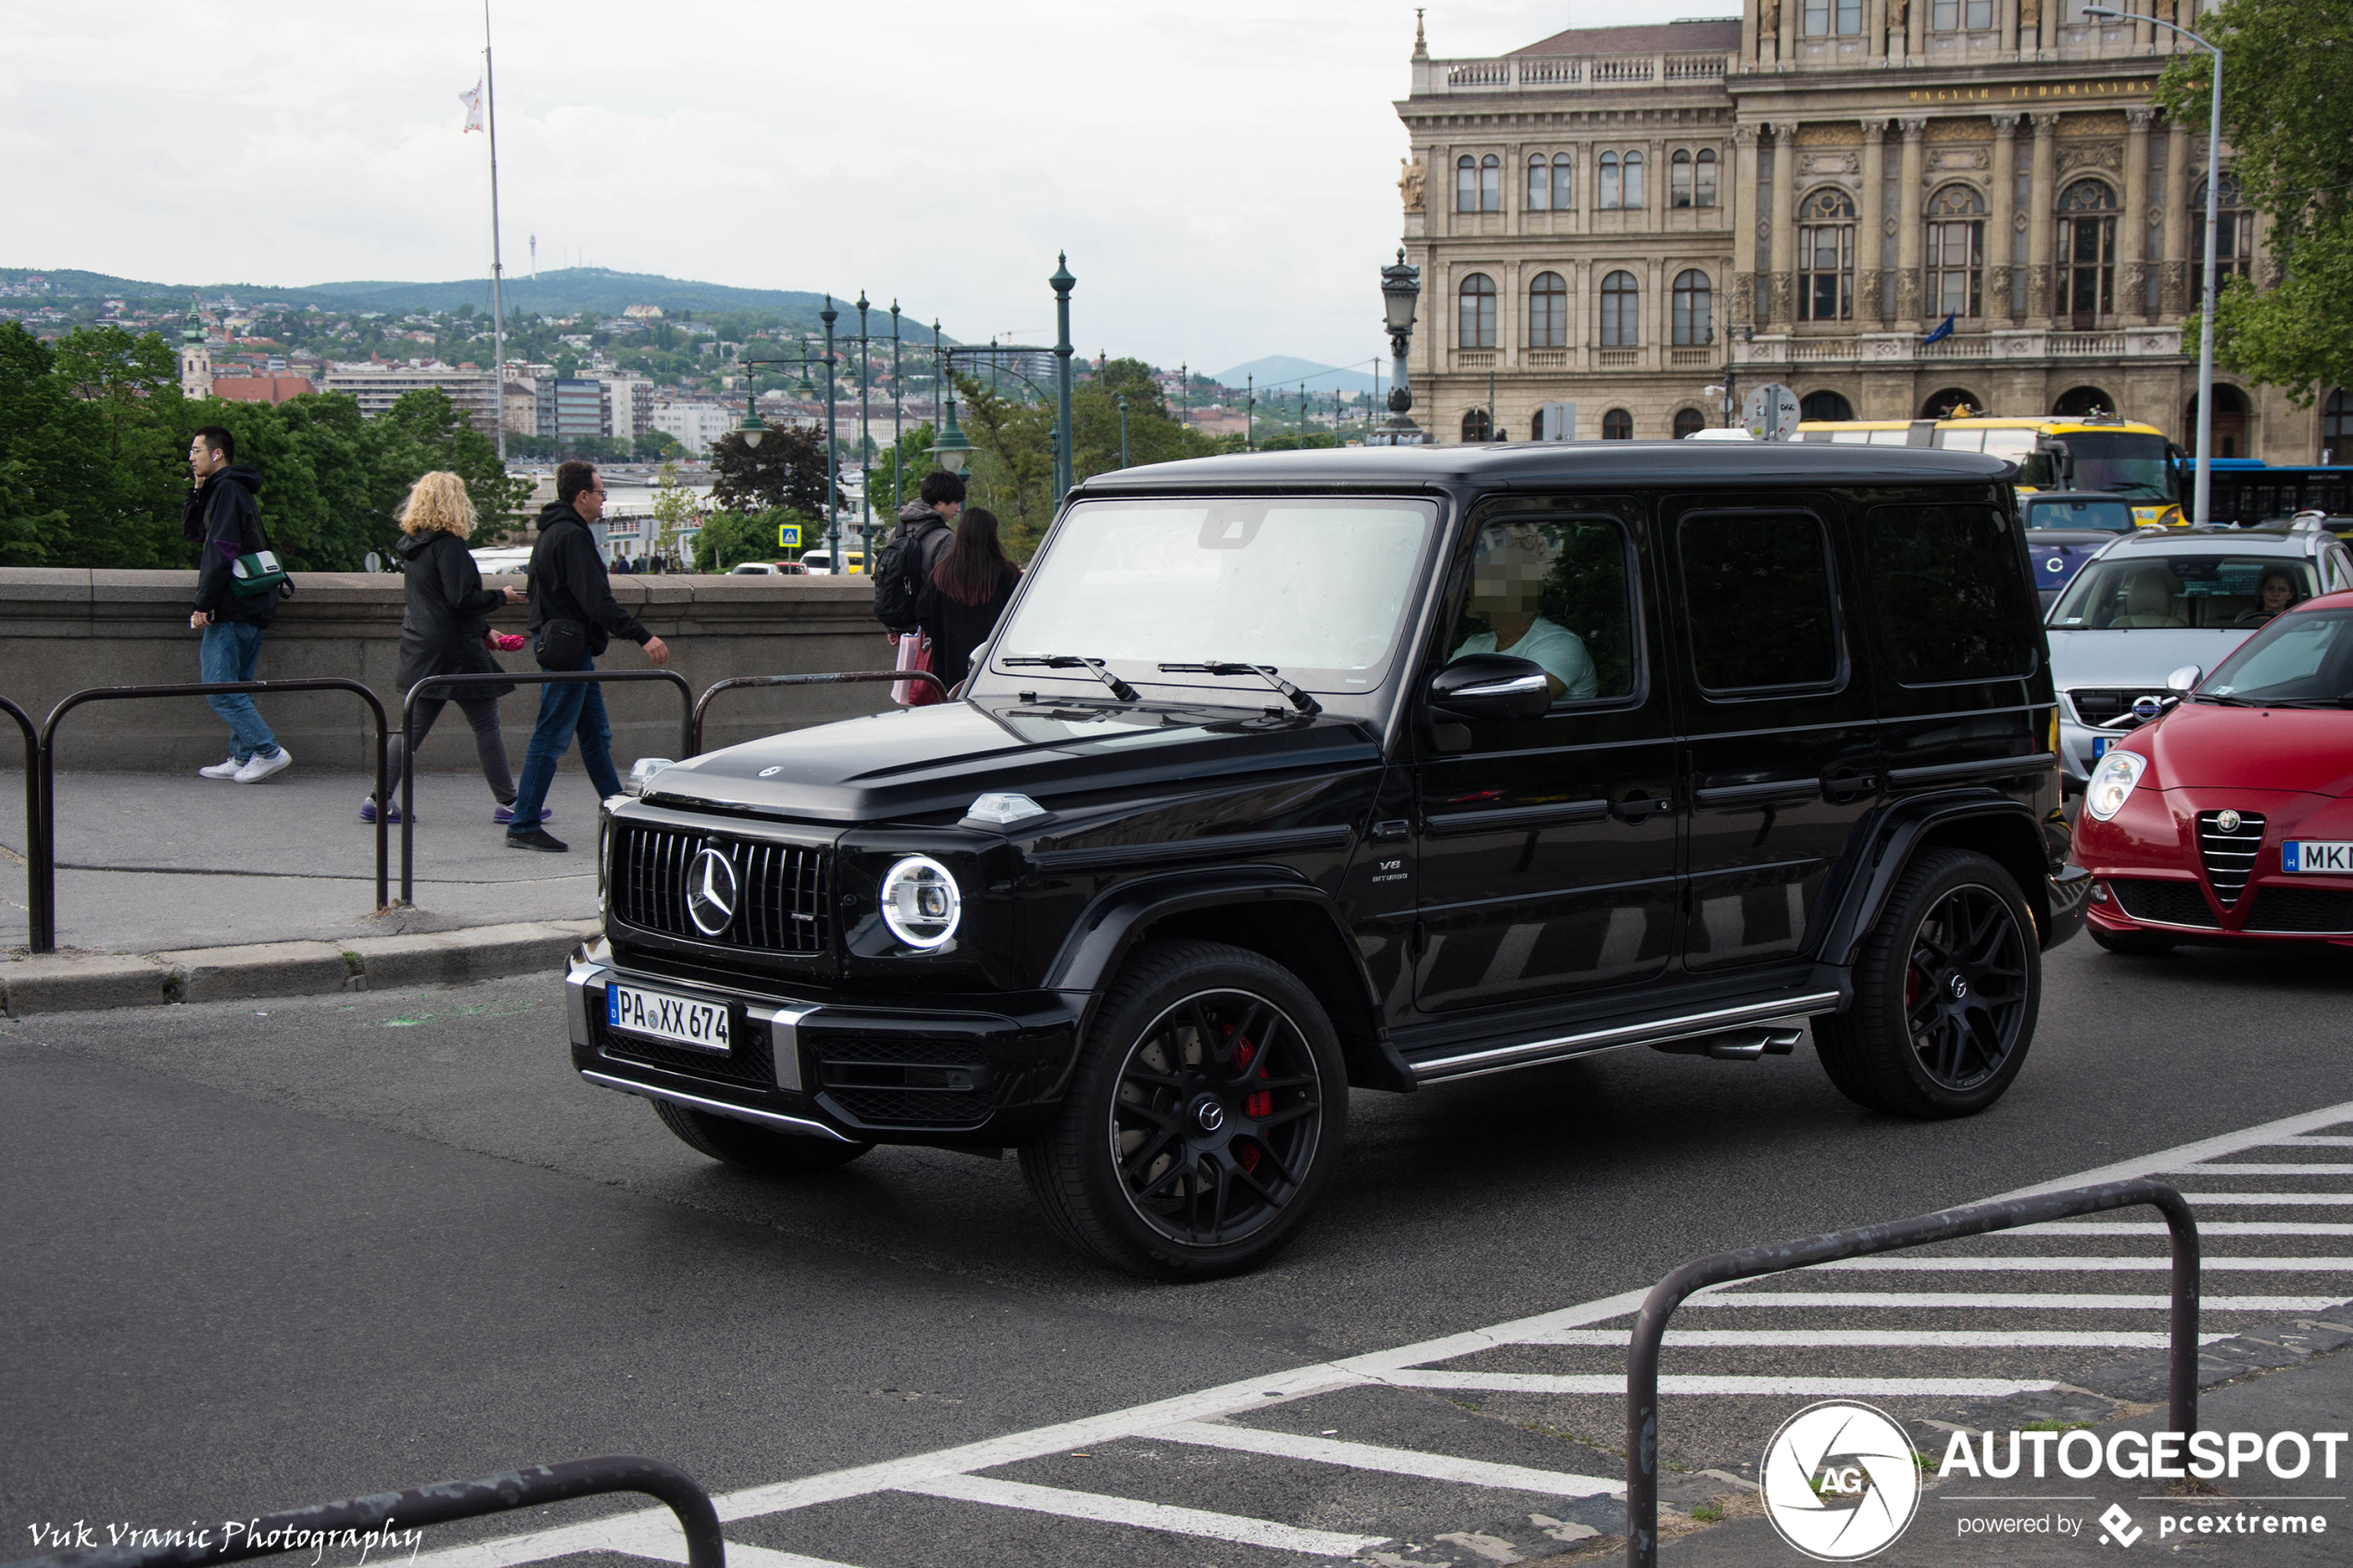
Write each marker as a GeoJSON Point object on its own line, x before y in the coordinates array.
{"type": "Point", "coordinates": [787, 535]}
{"type": "Point", "coordinates": [1770, 413]}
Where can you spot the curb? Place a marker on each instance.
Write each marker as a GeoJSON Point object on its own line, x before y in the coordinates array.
{"type": "Point", "coordinates": [91, 981]}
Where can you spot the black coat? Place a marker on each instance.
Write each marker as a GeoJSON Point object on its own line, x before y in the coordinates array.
{"type": "Point", "coordinates": [568, 581]}
{"type": "Point", "coordinates": [956, 628]}
{"type": "Point", "coordinates": [224, 513]}
{"type": "Point", "coordinates": [446, 616]}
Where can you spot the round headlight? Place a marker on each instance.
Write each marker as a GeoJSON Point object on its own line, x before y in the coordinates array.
{"type": "Point", "coordinates": [920, 902]}
{"type": "Point", "coordinates": [2112, 782]}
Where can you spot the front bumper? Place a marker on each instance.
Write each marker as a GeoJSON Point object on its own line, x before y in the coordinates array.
{"type": "Point", "coordinates": [972, 1072]}
{"type": "Point", "coordinates": [2151, 875]}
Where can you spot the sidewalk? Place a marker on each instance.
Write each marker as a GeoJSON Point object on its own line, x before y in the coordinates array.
{"type": "Point", "coordinates": [165, 868]}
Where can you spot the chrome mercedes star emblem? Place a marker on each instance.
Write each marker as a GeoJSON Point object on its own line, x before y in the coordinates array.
{"type": "Point", "coordinates": [711, 892]}
{"type": "Point", "coordinates": [1960, 987]}
{"type": "Point", "coordinates": [1209, 1115]}
{"type": "Point", "coordinates": [2228, 822]}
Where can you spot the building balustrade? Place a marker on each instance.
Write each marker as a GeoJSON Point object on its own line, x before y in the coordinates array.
{"type": "Point", "coordinates": [1552, 72]}
{"type": "Point", "coordinates": [1904, 349]}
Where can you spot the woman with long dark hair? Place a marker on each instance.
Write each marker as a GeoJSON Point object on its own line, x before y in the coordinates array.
{"type": "Point", "coordinates": [968, 590]}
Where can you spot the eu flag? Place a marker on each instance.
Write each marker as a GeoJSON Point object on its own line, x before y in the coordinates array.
{"type": "Point", "coordinates": [1941, 333]}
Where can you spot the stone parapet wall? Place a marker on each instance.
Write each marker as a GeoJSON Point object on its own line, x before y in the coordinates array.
{"type": "Point", "coordinates": [62, 631]}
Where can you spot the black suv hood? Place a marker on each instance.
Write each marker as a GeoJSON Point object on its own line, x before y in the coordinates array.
{"type": "Point", "coordinates": [931, 762]}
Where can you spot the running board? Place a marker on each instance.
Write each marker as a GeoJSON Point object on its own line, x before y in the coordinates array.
{"type": "Point", "coordinates": [1775, 1014]}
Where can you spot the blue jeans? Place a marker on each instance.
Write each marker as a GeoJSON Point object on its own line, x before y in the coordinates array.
{"type": "Point", "coordinates": [229, 652]}
{"type": "Point", "coordinates": [566, 708]}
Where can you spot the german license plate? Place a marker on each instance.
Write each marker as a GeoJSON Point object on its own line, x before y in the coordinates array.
{"type": "Point", "coordinates": [682, 1020]}
{"type": "Point", "coordinates": [2312, 855]}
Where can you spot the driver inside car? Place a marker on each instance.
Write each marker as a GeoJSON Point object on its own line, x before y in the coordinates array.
{"type": "Point", "coordinates": [1507, 587]}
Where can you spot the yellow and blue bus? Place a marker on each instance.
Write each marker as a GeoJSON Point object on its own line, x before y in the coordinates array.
{"type": "Point", "coordinates": [2088, 452]}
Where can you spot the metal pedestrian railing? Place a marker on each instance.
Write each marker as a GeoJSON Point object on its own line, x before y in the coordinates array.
{"type": "Point", "coordinates": [372, 1521]}
{"type": "Point", "coordinates": [1949, 1224]}
{"type": "Point", "coordinates": [41, 855]}
{"type": "Point", "coordinates": [689, 726]}
{"type": "Point", "coordinates": [836, 678]}
{"type": "Point", "coordinates": [37, 890]}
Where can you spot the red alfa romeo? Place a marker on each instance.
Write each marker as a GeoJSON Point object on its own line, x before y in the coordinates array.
{"type": "Point", "coordinates": [2230, 818]}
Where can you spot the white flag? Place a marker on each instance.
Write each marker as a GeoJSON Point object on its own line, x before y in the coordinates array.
{"type": "Point", "coordinates": [471, 99]}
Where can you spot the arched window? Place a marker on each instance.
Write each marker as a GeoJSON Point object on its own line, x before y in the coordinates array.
{"type": "Point", "coordinates": [1827, 407]}
{"type": "Point", "coordinates": [1678, 178]}
{"type": "Point", "coordinates": [2087, 252]}
{"type": "Point", "coordinates": [1706, 177]}
{"type": "Point", "coordinates": [1977, 16]}
{"type": "Point", "coordinates": [1826, 256]}
{"type": "Point", "coordinates": [1694, 310]}
{"type": "Point", "coordinates": [1477, 302]}
{"type": "Point", "coordinates": [1563, 183]}
{"type": "Point", "coordinates": [1955, 253]}
{"type": "Point", "coordinates": [1609, 182]}
{"type": "Point", "coordinates": [1490, 183]}
{"type": "Point", "coordinates": [1466, 183]}
{"type": "Point", "coordinates": [1622, 303]}
{"type": "Point", "coordinates": [2078, 401]}
{"type": "Point", "coordinates": [2230, 420]}
{"type": "Point", "coordinates": [1617, 425]}
{"type": "Point", "coordinates": [1950, 404]}
{"type": "Point", "coordinates": [1689, 421]}
{"type": "Point", "coordinates": [1475, 425]}
{"type": "Point", "coordinates": [1539, 184]}
{"type": "Point", "coordinates": [1548, 311]}
{"type": "Point", "coordinates": [2336, 428]}
{"type": "Point", "coordinates": [1633, 179]}
{"type": "Point", "coordinates": [2233, 235]}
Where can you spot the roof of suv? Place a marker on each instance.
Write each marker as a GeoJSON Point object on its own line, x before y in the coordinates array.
{"type": "Point", "coordinates": [1550, 462]}
{"type": "Point", "coordinates": [2293, 544]}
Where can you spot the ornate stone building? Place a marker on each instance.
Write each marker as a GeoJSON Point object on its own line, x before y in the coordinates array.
{"type": "Point", "coordinates": [1623, 217]}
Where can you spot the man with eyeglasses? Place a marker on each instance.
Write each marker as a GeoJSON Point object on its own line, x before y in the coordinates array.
{"type": "Point", "coordinates": [574, 618]}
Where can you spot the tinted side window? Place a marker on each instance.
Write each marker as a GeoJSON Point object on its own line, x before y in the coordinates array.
{"type": "Point", "coordinates": [1758, 588]}
{"type": "Point", "coordinates": [1951, 599]}
{"type": "Point", "coordinates": [1556, 593]}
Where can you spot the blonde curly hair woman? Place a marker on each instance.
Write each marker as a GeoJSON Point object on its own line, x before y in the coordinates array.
{"type": "Point", "coordinates": [444, 627]}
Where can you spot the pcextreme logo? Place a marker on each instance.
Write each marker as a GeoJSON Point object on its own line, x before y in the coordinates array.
{"type": "Point", "coordinates": [1839, 1481]}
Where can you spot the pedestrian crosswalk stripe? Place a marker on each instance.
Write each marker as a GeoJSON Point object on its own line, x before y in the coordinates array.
{"type": "Point", "coordinates": [2186, 1157]}
{"type": "Point", "coordinates": [2283, 1168]}
{"type": "Point", "coordinates": [2287, 1200]}
{"type": "Point", "coordinates": [1393, 1462]}
{"type": "Point", "coordinates": [1106, 1509]}
{"type": "Point", "coordinates": [2312, 1140]}
{"type": "Point", "coordinates": [2089, 1264]}
{"type": "Point", "coordinates": [2204, 1228]}
{"type": "Point", "coordinates": [1614, 1385]}
{"type": "Point", "coordinates": [1869, 1339]}
{"type": "Point", "coordinates": [1967, 1300]}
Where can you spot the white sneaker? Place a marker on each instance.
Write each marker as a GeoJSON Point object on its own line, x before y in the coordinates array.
{"type": "Point", "coordinates": [262, 766]}
{"type": "Point", "coordinates": [225, 770]}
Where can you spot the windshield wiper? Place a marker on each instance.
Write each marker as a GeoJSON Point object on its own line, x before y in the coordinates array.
{"type": "Point", "coordinates": [2227, 701]}
{"type": "Point", "coordinates": [1266, 672]}
{"type": "Point", "coordinates": [1094, 667]}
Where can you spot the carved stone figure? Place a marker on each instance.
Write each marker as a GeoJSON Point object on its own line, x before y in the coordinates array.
{"type": "Point", "coordinates": [1410, 179]}
{"type": "Point", "coordinates": [1899, 19]}
{"type": "Point", "coordinates": [2029, 21]}
{"type": "Point", "coordinates": [1768, 23]}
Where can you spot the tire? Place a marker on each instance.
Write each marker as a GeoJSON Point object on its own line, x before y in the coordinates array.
{"type": "Point", "coordinates": [753, 1147]}
{"type": "Point", "coordinates": [1946, 989]}
{"type": "Point", "coordinates": [1169, 1157]}
{"type": "Point", "coordinates": [2129, 941]}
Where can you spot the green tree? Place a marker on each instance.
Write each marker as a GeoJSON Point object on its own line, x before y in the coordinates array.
{"type": "Point", "coordinates": [658, 446]}
{"type": "Point", "coordinates": [729, 538]}
{"type": "Point", "coordinates": [2284, 66]}
{"type": "Point", "coordinates": [787, 468]}
{"type": "Point", "coordinates": [903, 464]}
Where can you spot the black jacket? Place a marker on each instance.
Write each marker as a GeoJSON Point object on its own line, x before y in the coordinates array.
{"type": "Point", "coordinates": [446, 616]}
{"type": "Point", "coordinates": [224, 515]}
{"type": "Point", "coordinates": [932, 536]}
{"type": "Point", "coordinates": [568, 581]}
{"type": "Point", "coordinates": [956, 628]}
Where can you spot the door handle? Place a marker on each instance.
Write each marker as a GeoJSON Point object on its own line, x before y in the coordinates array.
{"type": "Point", "coordinates": [1637, 808]}
{"type": "Point", "coordinates": [1849, 786]}
{"type": "Point", "coordinates": [1392, 831]}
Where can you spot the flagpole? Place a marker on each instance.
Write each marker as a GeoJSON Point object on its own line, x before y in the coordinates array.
{"type": "Point", "coordinates": [497, 295]}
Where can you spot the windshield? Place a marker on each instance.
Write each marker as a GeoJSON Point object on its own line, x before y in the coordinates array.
{"type": "Point", "coordinates": [2206, 592]}
{"type": "Point", "coordinates": [2128, 465]}
{"type": "Point", "coordinates": [2296, 658]}
{"type": "Point", "coordinates": [1316, 588]}
{"type": "Point", "coordinates": [2110, 517]}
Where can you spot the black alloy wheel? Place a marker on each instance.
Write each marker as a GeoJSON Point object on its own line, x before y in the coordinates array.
{"type": "Point", "coordinates": [1947, 988]}
{"type": "Point", "coordinates": [1204, 1117]}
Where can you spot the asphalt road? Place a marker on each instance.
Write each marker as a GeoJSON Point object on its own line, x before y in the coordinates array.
{"type": "Point", "coordinates": [270, 1254]}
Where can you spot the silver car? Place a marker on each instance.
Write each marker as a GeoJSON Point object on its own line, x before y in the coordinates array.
{"type": "Point", "coordinates": [2164, 598]}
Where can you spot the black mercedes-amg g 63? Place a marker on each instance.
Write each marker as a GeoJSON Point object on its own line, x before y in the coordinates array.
{"type": "Point", "coordinates": [1290, 773]}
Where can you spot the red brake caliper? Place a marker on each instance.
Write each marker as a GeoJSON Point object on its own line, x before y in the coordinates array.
{"type": "Point", "coordinates": [1261, 1104]}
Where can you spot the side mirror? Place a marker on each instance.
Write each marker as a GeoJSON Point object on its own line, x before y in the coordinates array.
{"type": "Point", "coordinates": [1492, 686]}
{"type": "Point", "coordinates": [2183, 681]}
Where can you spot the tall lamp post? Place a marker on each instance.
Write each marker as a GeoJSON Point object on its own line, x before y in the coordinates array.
{"type": "Point", "coordinates": [2199, 508]}
{"type": "Point", "coordinates": [1401, 288]}
{"type": "Point", "coordinates": [1123, 429]}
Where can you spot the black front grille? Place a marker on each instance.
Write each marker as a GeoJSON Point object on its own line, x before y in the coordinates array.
{"type": "Point", "coordinates": [2168, 903]}
{"type": "Point", "coordinates": [903, 1082]}
{"type": "Point", "coordinates": [781, 903]}
{"type": "Point", "coordinates": [2228, 853]}
{"type": "Point", "coordinates": [2098, 705]}
{"type": "Point", "coordinates": [2311, 911]}
{"type": "Point", "coordinates": [750, 1064]}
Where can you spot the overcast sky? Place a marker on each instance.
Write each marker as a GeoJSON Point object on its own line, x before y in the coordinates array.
{"type": "Point", "coordinates": [1223, 173]}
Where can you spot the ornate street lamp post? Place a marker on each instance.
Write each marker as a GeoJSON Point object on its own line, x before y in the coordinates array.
{"type": "Point", "coordinates": [1123, 429]}
{"type": "Point", "coordinates": [1401, 288]}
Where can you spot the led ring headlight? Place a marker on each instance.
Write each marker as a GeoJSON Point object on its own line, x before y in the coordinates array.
{"type": "Point", "coordinates": [921, 902]}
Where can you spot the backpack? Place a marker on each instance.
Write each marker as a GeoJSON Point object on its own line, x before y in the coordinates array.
{"type": "Point", "coordinates": [899, 579]}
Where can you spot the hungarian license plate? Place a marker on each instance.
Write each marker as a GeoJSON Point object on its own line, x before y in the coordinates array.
{"type": "Point", "coordinates": [682, 1020]}
{"type": "Point", "coordinates": [2312, 855]}
{"type": "Point", "coordinates": [2100, 744]}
